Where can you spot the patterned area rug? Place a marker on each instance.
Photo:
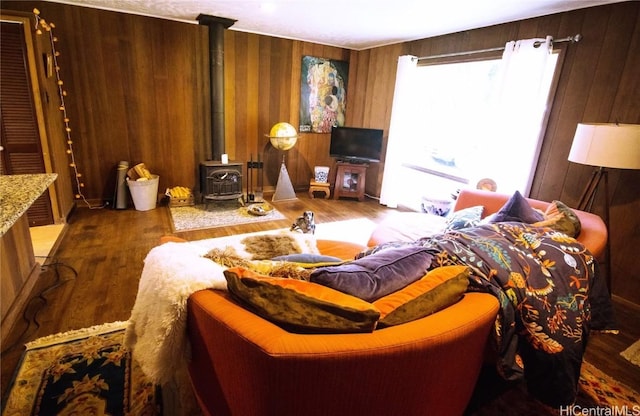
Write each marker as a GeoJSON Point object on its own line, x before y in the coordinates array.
{"type": "Point", "coordinates": [599, 390]}
{"type": "Point", "coordinates": [598, 394]}
{"type": "Point", "coordinates": [82, 372]}
{"type": "Point", "coordinates": [217, 214]}
{"type": "Point", "coordinates": [632, 354]}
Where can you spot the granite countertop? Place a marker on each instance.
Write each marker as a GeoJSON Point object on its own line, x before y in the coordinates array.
{"type": "Point", "coordinates": [18, 193]}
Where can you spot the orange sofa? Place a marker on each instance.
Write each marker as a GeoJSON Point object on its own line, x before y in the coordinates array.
{"type": "Point", "coordinates": [243, 364]}
{"type": "Point", "coordinates": [406, 226]}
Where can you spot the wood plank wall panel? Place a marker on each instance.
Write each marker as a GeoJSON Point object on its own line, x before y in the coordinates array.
{"type": "Point", "coordinates": [126, 71]}
{"type": "Point", "coordinates": [263, 76]}
{"type": "Point", "coordinates": [625, 221]}
{"type": "Point", "coordinates": [593, 77]}
{"type": "Point", "coordinates": [374, 94]}
{"type": "Point", "coordinates": [319, 154]}
{"type": "Point", "coordinates": [137, 91]}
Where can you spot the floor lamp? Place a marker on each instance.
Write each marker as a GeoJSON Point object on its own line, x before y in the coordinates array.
{"type": "Point", "coordinates": [604, 145]}
{"type": "Point", "coordinates": [283, 136]}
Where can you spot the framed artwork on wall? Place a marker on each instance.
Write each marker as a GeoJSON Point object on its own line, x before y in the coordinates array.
{"type": "Point", "coordinates": [323, 94]}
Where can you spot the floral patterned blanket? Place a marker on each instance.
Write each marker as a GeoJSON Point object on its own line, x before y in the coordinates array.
{"type": "Point", "coordinates": [551, 296]}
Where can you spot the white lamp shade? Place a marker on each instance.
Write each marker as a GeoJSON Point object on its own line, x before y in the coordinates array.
{"type": "Point", "coordinates": [608, 145]}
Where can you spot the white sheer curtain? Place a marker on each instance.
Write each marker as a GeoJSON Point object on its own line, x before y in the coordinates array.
{"type": "Point", "coordinates": [512, 136]}
{"type": "Point", "coordinates": [401, 127]}
{"type": "Point", "coordinates": [520, 109]}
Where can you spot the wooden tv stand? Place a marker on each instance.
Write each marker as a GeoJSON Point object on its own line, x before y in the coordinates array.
{"type": "Point", "coordinates": [350, 180]}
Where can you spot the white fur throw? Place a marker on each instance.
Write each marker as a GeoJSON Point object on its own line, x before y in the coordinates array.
{"type": "Point", "coordinates": [157, 327]}
{"type": "Point", "coordinates": [171, 273]}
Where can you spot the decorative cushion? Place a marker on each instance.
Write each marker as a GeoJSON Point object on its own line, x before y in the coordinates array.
{"type": "Point", "coordinates": [465, 218]}
{"type": "Point", "coordinates": [560, 217]}
{"type": "Point", "coordinates": [439, 288]}
{"type": "Point", "coordinates": [309, 260]}
{"type": "Point", "coordinates": [281, 269]}
{"type": "Point", "coordinates": [517, 209]}
{"type": "Point", "coordinates": [301, 306]}
{"type": "Point", "coordinates": [263, 247]}
{"type": "Point", "coordinates": [377, 275]}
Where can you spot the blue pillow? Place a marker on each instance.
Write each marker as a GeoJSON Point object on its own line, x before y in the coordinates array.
{"type": "Point", "coordinates": [308, 258]}
{"type": "Point", "coordinates": [465, 218]}
{"type": "Point", "coordinates": [377, 275]}
{"type": "Point", "coordinates": [517, 209]}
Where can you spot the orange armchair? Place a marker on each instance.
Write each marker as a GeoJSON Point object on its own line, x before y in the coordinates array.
{"type": "Point", "coordinates": [245, 365]}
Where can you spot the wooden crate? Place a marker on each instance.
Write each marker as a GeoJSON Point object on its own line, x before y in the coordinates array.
{"type": "Point", "coordinates": [181, 202]}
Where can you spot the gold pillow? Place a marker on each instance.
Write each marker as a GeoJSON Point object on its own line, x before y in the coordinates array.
{"type": "Point", "coordinates": [439, 288]}
{"type": "Point", "coordinates": [560, 217]}
{"type": "Point", "coordinates": [301, 306]}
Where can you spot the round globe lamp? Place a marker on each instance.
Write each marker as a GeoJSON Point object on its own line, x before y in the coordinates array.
{"type": "Point", "coordinates": [283, 136]}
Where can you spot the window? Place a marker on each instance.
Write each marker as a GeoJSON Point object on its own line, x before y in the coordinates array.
{"type": "Point", "coordinates": [454, 99]}
{"type": "Point", "coordinates": [469, 125]}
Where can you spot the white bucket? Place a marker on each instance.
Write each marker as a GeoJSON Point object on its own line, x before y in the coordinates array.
{"type": "Point", "coordinates": [144, 193]}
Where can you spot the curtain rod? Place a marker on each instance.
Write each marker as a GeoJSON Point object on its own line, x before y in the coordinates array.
{"type": "Point", "coordinates": [572, 39]}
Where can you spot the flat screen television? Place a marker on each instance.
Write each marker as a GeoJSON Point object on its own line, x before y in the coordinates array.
{"type": "Point", "coordinates": [354, 144]}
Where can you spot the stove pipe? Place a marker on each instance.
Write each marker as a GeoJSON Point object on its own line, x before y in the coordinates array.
{"type": "Point", "coordinates": [217, 25]}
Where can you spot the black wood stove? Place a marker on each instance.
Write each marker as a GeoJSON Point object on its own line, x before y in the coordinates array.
{"type": "Point", "coordinates": [220, 181]}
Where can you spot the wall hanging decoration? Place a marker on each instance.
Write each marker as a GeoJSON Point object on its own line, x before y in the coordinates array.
{"type": "Point", "coordinates": [323, 94]}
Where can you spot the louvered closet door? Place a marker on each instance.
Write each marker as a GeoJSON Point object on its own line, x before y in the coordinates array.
{"type": "Point", "coordinates": [19, 136]}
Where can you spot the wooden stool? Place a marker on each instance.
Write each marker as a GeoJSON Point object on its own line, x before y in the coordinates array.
{"type": "Point", "coordinates": [319, 187]}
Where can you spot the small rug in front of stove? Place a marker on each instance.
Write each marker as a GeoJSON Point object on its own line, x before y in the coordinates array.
{"type": "Point", "coordinates": [218, 214]}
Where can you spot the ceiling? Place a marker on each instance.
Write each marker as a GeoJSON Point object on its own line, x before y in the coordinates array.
{"type": "Point", "coordinates": [351, 24]}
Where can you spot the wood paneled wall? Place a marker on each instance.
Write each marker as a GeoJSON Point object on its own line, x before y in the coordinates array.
{"type": "Point", "coordinates": [139, 92]}
{"type": "Point", "coordinates": [262, 87]}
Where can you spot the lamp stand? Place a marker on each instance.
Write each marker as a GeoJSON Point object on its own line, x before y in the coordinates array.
{"type": "Point", "coordinates": [589, 194]}
{"type": "Point", "coordinates": [586, 204]}
{"type": "Point", "coordinates": [284, 188]}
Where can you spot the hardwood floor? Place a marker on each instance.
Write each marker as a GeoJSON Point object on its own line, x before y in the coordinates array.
{"type": "Point", "coordinates": [603, 350]}
{"type": "Point", "coordinates": [96, 268]}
